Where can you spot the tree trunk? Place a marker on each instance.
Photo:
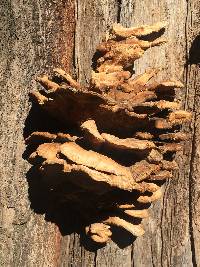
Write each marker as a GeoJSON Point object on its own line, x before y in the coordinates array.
{"type": "Point", "coordinates": [40, 35]}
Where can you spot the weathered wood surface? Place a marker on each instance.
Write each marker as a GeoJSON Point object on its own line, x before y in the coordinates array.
{"type": "Point", "coordinates": [39, 35]}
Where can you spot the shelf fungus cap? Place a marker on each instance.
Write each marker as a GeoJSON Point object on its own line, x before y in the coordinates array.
{"type": "Point", "coordinates": [126, 131]}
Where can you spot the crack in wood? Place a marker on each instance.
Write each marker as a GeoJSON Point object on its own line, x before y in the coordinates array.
{"type": "Point", "coordinates": [193, 149]}
{"type": "Point", "coordinates": [119, 8]}
{"type": "Point", "coordinates": [190, 55]}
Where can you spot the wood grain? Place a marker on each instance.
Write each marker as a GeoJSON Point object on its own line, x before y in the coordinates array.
{"type": "Point", "coordinates": [37, 36]}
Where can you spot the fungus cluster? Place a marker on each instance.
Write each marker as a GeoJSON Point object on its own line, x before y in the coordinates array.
{"type": "Point", "coordinates": [127, 131]}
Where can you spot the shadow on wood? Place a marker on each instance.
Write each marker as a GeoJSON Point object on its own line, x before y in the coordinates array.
{"type": "Point", "coordinates": [194, 53]}
{"type": "Point", "coordinates": [67, 214]}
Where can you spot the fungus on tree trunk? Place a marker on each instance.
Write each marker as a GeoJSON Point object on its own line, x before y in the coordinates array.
{"type": "Point", "coordinates": [127, 131]}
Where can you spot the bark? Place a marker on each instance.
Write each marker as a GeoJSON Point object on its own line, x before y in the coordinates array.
{"type": "Point", "coordinates": [40, 35]}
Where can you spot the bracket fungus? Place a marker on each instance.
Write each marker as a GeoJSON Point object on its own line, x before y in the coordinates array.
{"type": "Point", "coordinates": [127, 130]}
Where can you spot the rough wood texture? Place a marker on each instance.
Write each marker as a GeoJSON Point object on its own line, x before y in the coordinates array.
{"type": "Point", "coordinates": [40, 34]}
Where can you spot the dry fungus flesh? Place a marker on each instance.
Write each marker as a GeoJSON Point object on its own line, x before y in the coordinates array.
{"type": "Point", "coordinates": [127, 131]}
